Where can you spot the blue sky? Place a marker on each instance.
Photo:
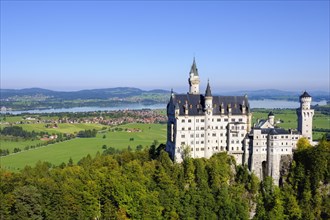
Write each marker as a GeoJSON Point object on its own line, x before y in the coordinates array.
{"type": "Point", "coordinates": [101, 44]}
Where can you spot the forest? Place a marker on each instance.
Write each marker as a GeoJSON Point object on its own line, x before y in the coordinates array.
{"type": "Point", "coordinates": [146, 184]}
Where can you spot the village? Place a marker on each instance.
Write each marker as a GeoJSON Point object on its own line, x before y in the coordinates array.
{"type": "Point", "coordinates": [109, 118]}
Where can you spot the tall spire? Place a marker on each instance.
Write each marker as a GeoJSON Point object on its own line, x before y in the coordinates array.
{"type": "Point", "coordinates": [194, 69]}
{"type": "Point", "coordinates": [208, 89]}
{"type": "Point", "coordinates": [193, 79]}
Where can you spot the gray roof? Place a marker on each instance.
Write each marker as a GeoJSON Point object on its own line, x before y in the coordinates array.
{"type": "Point", "coordinates": [194, 69]}
{"type": "Point", "coordinates": [208, 90]}
{"type": "Point", "coordinates": [305, 94]}
{"type": "Point", "coordinates": [271, 114]}
{"type": "Point", "coordinates": [196, 104]}
{"type": "Point", "coordinates": [274, 131]}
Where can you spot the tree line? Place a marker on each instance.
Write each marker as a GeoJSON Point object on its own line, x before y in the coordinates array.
{"type": "Point", "coordinates": [147, 184]}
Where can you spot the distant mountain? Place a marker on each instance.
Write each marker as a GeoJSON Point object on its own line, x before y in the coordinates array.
{"type": "Point", "coordinates": [275, 94]}
{"type": "Point", "coordinates": [119, 92]}
{"type": "Point", "coordinates": [129, 92]}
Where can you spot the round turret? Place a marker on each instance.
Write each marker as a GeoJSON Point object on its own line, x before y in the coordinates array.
{"type": "Point", "coordinates": [305, 100]}
{"type": "Point", "coordinates": [271, 118]}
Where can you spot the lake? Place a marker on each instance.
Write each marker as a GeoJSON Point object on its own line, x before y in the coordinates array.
{"type": "Point", "coordinates": [266, 103]}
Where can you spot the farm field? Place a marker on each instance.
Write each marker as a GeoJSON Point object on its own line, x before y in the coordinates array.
{"type": "Point", "coordinates": [80, 147]}
{"type": "Point", "coordinates": [116, 137]}
{"type": "Point", "coordinates": [20, 143]}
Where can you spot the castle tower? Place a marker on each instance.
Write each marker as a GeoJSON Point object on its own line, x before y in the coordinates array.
{"type": "Point", "coordinates": [193, 79]}
{"type": "Point", "coordinates": [305, 116]}
{"type": "Point", "coordinates": [208, 116]}
{"type": "Point", "coordinates": [271, 118]}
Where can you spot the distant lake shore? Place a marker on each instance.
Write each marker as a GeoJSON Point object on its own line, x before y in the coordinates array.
{"type": "Point", "coordinates": [266, 103]}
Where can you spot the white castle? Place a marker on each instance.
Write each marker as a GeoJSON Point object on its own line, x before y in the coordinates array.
{"type": "Point", "coordinates": [201, 125]}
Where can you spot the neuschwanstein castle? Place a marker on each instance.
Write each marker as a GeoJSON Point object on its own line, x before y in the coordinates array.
{"type": "Point", "coordinates": [206, 124]}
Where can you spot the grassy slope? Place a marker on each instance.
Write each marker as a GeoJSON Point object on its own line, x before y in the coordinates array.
{"type": "Point", "coordinates": [80, 147]}
{"type": "Point", "coordinates": [20, 143]}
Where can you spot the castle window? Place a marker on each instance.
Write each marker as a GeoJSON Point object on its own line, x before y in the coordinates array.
{"type": "Point", "coordinates": [182, 128]}
{"type": "Point", "coordinates": [212, 119]}
{"type": "Point", "coordinates": [216, 127]}
{"type": "Point", "coordinates": [232, 148]}
{"type": "Point", "coordinates": [282, 136]}
{"type": "Point", "coordinates": [202, 120]}
{"type": "Point", "coordinates": [182, 143]}
{"type": "Point", "coordinates": [237, 142]}
{"type": "Point", "coordinates": [232, 141]}
{"type": "Point", "coordinates": [197, 149]}
{"type": "Point", "coordinates": [221, 127]}
{"type": "Point", "coordinates": [202, 142]}
{"type": "Point", "coordinates": [282, 149]}
{"type": "Point", "coordinates": [233, 119]}
{"type": "Point", "coordinates": [191, 135]}
{"type": "Point", "coordinates": [202, 128]}
{"type": "Point", "coordinates": [192, 149]}
{"type": "Point", "coordinates": [241, 119]}
{"type": "Point", "coordinates": [242, 127]}
{"type": "Point", "coordinates": [257, 150]}
{"type": "Point", "coordinates": [197, 128]}
{"type": "Point", "coordinates": [218, 119]}
{"type": "Point", "coordinates": [226, 119]}
{"type": "Point", "coordinates": [221, 134]}
{"type": "Point", "coordinates": [197, 135]}
{"type": "Point", "coordinates": [197, 120]}
{"type": "Point", "coordinates": [242, 135]}
{"type": "Point", "coordinates": [237, 148]}
{"type": "Point", "coordinates": [182, 120]}
{"type": "Point", "coordinates": [197, 142]}
{"type": "Point", "coordinates": [183, 136]}
{"type": "Point", "coordinates": [214, 134]}
{"type": "Point", "coordinates": [202, 149]}
{"type": "Point", "coordinates": [189, 120]}
{"type": "Point", "coordinates": [202, 135]}
{"type": "Point", "coordinates": [192, 142]}
{"type": "Point", "coordinates": [189, 128]}
{"type": "Point", "coordinates": [286, 136]}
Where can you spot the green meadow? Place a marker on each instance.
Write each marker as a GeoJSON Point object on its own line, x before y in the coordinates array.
{"type": "Point", "coordinates": [120, 138]}
{"type": "Point", "coordinates": [80, 147]}
{"type": "Point", "coordinates": [18, 143]}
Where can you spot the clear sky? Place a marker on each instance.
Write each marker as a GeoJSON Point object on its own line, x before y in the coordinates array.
{"type": "Point", "coordinates": [238, 45]}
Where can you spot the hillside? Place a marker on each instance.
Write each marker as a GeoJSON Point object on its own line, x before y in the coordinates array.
{"type": "Point", "coordinates": [38, 98]}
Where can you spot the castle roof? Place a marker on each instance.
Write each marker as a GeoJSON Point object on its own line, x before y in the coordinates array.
{"type": "Point", "coordinates": [270, 114]}
{"type": "Point", "coordinates": [194, 69]}
{"type": "Point", "coordinates": [208, 90]}
{"type": "Point", "coordinates": [274, 131]}
{"type": "Point", "coordinates": [196, 104]}
{"type": "Point", "coordinates": [304, 95]}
